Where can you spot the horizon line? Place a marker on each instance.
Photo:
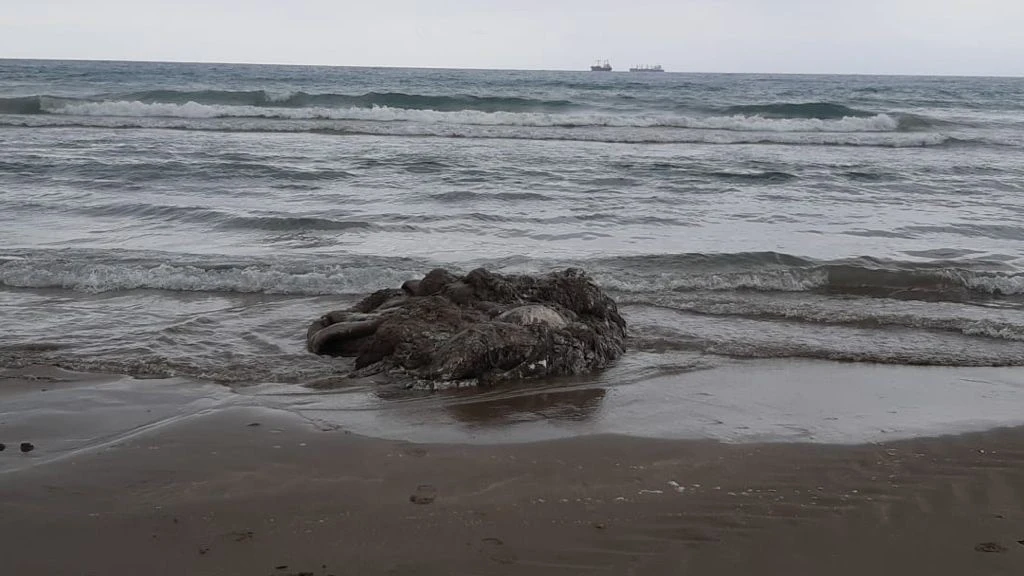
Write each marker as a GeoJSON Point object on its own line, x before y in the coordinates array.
{"type": "Point", "coordinates": [509, 69]}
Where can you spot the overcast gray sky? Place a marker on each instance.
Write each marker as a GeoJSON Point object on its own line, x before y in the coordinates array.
{"type": "Point", "coordinates": [980, 37]}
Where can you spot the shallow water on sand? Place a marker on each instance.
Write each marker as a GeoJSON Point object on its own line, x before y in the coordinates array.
{"type": "Point", "coordinates": [740, 401]}
{"type": "Point", "coordinates": [743, 401]}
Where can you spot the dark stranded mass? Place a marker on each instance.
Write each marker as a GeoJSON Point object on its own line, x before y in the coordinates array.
{"type": "Point", "coordinates": [480, 328]}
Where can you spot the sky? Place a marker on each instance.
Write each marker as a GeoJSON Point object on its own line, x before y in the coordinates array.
{"type": "Point", "coordinates": [959, 37]}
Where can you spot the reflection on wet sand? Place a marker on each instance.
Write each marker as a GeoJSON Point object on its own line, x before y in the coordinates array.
{"type": "Point", "coordinates": [526, 404]}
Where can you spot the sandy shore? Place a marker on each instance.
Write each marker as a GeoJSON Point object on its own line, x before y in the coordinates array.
{"type": "Point", "coordinates": [225, 489]}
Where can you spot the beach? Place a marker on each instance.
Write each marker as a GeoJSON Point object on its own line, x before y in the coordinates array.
{"type": "Point", "coordinates": [236, 488]}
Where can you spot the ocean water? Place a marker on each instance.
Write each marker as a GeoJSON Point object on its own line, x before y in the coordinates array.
{"type": "Point", "coordinates": [191, 220]}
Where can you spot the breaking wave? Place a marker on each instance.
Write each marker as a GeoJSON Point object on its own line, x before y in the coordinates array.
{"type": "Point", "coordinates": [41, 104]}
{"type": "Point", "coordinates": [194, 110]}
{"type": "Point", "coordinates": [770, 271]}
{"type": "Point", "coordinates": [761, 271]}
{"type": "Point", "coordinates": [84, 271]}
{"type": "Point", "coordinates": [604, 133]}
{"type": "Point", "coordinates": [470, 116]}
{"type": "Point", "coordinates": [267, 99]}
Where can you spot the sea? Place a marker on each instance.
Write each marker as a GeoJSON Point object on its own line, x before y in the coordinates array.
{"type": "Point", "coordinates": [169, 220]}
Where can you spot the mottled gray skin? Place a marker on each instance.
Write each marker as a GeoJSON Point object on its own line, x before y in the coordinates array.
{"type": "Point", "coordinates": [482, 327]}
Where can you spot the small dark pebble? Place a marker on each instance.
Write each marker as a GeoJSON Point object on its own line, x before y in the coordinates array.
{"type": "Point", "coordinates": [27, 447]}
{"type": "Point", "coordinates": [990, 547]}
{"type": "Point", "coordinates": [203, 551]}
{"type": "Point", "coordinates": [600, 525]}
{"type": "Point", "coordinates": [1000, 516]}
{"type": "Point", "coordinates": [1021, 542]}
{"type": "Point", "coordinates": [425, 494]}
{"type": "Point", "coordinates": [243, 536]}
{"type": "Point", "coordinates": [254, 424]}
{"type": "Point", "coordinates": [175, 520]}
{"type": "Point", "coordinates": [3, 446]}
{"type": "Point", "coordinates": [281, 567]}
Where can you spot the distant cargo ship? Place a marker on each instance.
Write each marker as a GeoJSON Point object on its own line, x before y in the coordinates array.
{"type": "Point", "coordinates": [645, 68]}
{"type": "Point", "coordinates": [601, 67]}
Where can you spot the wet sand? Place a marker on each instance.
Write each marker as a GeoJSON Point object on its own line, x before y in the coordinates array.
{"type": "Point", "coordinates": [683, 397]}
{"type": "Point", "coordinates": [226, 489]}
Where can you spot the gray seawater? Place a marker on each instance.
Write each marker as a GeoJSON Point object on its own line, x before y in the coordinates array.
{"type": "Point", "coordinates": [190, 220]}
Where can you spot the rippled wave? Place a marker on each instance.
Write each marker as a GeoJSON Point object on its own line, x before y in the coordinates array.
{"type": "Point", "coordinates": [655, 274]}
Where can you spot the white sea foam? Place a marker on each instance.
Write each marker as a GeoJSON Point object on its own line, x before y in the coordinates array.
{"type": "Point", "coordinates": [786, 280]}
{"type": "Point", "coordinates": [990, 329]}
{"type": "Point", "coordinates": [625, 135]}
{"type": "Point", "coordinates": [282, 96]}
{"type": "Point", "coordinates": [811, 278]}
{"type": "Point", "coordinates": [104, 277]}
{"type": "Point", "coordinates": [739, 123]}
{"type": "Point", "coordinates": [352, 278]}
{"type": "Point", "coordinates": [990, 283]}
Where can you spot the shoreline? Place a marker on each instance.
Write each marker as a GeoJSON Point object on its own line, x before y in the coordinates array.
{"type": "Point", "coordinates": [685, 397]}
